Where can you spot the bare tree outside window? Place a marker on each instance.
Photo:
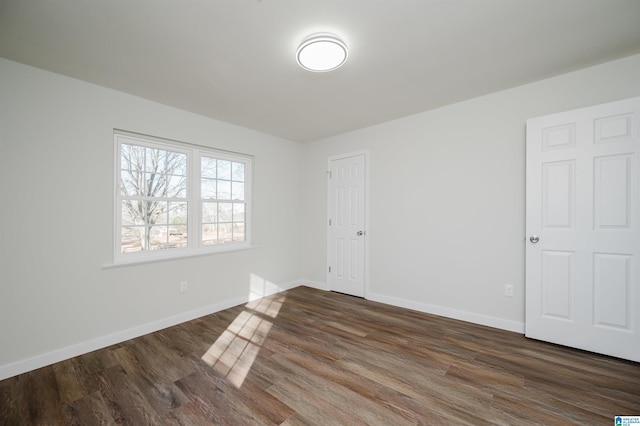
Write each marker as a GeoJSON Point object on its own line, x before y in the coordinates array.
{"type": "Point", "coordinates": [153, 189]}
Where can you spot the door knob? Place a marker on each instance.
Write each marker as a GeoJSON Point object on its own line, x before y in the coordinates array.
{"type": "Point", "coordinates": [360, 233]}
{"type": "Point", "coordinates": [534, 239]}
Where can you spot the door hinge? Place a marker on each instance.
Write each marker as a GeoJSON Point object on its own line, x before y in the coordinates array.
{"type": "Point", "coordinates": [329, 222]}
{"type": "Point", "coordinates": [329, 269]}
{"type": "Point", "coordinates": [329, 173]}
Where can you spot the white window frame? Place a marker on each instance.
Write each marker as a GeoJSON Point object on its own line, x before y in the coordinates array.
{"type": "Point", "coordinates": [195, 246]}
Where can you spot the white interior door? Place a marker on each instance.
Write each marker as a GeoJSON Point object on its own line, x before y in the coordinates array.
{"type": "Point", "coordinates": [583, 221]}
{"type": "Point", "coordinates": [346, 225]}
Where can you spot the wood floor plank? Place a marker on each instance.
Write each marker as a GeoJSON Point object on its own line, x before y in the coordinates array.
{"type": "Point", "coordinates": [342, 398]}
{"type": "Point", "coordinates": [319, 405]}
{"type": "Point", "coordinates": [414, 410]}
{"type": "Point", "coordinates": [126, 403]}
{"type": "Point", "coordinates": [160, 392]}
{"type": "Point", "coordinates": [70, 384]}
{"type": "Point", "coordinates": [186, 415]}
{"type": "Point", "coordinates": [89, 410]}
{"type": "Point", "coordinates": [249, 397]}
{"type": "Point", "coordinates": [45, 405]}
{"type": "Point", "coordinates": [547, 409]}
{"type": "Point", "coordinates": [309, 357]}
{"type": "Point", "coordinates": [14, 403]}
{"type": "Point", "coordinates": [416, 388]}
{"type": "Point", "coordinates": [222, 403]}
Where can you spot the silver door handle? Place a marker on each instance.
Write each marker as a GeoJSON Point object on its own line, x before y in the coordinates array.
{"type": "Point", "coordinates": [534, 239]}
{"type": "Point", "coordinates": [360, 233]}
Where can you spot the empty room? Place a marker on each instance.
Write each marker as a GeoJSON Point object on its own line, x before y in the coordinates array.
{"type": "Point", "coordinates": [336, 212]}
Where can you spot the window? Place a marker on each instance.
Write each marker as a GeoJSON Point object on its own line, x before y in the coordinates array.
{"type": "Point", "coordinates": [176, 200]}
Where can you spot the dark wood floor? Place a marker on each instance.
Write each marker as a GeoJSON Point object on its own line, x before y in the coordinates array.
{"type": "Point", "coordinates": [317, 358]}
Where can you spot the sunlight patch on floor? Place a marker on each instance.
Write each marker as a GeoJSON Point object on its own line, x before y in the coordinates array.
{"type": "Point", "coordinates": [236, 349]}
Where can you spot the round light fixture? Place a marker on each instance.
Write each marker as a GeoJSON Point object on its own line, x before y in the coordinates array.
{"type": "Point", "coordinates": [321, 52]}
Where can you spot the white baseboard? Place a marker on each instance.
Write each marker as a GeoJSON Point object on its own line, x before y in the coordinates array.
{"type": "Point", "coordinates": [315, 284]}
{"type": "Point", "coordinates": [442, 311]}
{"type": "Point", "coordinates": [42, 360]}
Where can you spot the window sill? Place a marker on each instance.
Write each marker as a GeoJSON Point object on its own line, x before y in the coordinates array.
{"type": "Point", "coordinates": [164, 256]}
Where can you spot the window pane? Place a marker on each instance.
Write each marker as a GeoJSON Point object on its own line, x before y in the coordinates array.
{"type": "Point", "coordinates": [224, 169]}
{"type": "Point", "coordinates": [225, 234]}
{"type": "Point", "coordinates": [131, 183]}
{"type": "Point", "coordinates": [153, 186]}
{"type": "Point", "coordinates": [156, 213]}
{"type": "Point", "coordinates": [132, 170]}
{"type": "Point", "coordinates": [177, 186]}
{"type": "Point", "coordinates": [238, 232]}
{"type": "Point", "coordinates": [237, 192]}
{"type": "Point", "coordinates": [178, 236]}
{"type": "Point", "coordinates": [224, 190]}
{"type": "Point", "coordinates": [138, 212]}
{"type": "Point", "coordinates": [208, 167]}
{"type": "Point", "coordinates": [209, 212]}
{"type": "Point", "coordinates": [237, 172]}
{"type": "Point", "coordinates": [238, 212]}
{"type": "Point", "coordinates": [130, 213]}
{"type": "Point", "coordinates": [131, 239]}
{"type": "Point", "coordinates": [158, 237]}
{"type": "Point", "coordinates": [131, 157]}
{"type": "Point", "coordinates": [209, 234]}
{"type": "Point", "coordinates": [155, 160]}
{"type": "Point", "coordinates": [225, 212]}
{"type": "Point", "coordinates": [208, 188]}
{"type": "Point", "coordinates": [176, 163]}
{"type": "Point", "coordinates": [165, 173]}
{"type": "Point", "coordinates": [178, 213]}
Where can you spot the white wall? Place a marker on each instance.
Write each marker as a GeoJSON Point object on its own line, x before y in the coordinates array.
{"type": "Point", "coordinates": [447, 217]}
{"type": "Point", "coordinates": [56, 220]}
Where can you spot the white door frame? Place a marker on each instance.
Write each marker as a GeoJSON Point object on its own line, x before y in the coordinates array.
{"type": "Point", "coordinates": [330, 159]}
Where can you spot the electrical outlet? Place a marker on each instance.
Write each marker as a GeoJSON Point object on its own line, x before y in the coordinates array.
{"type": "Point", "coordinates": [508, 290]}
{"type": "Point", "coordinates": [183, 287]}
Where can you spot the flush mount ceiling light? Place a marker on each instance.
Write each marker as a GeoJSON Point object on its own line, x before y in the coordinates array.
{"type": "Point", "coordinates": [321, 52]}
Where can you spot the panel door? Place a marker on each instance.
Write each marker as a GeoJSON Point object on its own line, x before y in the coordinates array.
{"type": "Point", "coordinates": [583, 221]}
{"type": "Point", "coordinates": [346, 231]}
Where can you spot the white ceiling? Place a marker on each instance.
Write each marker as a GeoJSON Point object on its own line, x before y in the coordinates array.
{"type": "Point", "coordinates": [234, 60]}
